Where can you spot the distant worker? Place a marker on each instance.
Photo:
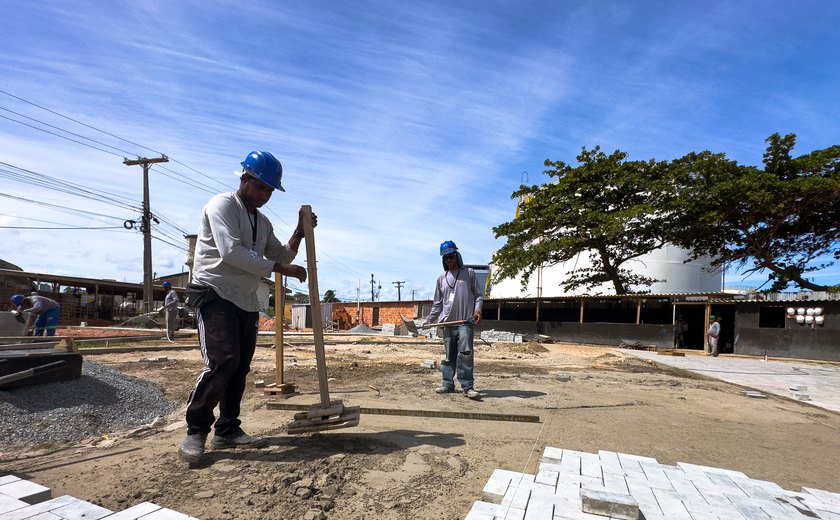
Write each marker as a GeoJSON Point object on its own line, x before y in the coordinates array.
{"type": "Point", "coordinates": [235, 249]}
{"type": "Point", "coordinates": [680, 328]}
{"type": "Point", "coordinates": [170, 309]}
{"type": "Point", "coordinates": [45, 310]}
{"type": "Point", "coordinates": [457, 298]}
{"type": "Point", "coordinates": [713, 335]}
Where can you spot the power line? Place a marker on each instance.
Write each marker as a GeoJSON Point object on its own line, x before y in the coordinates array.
{"type": "Point", "coordinates": [62, 228]}
{"type": "Point", "coordinates": [63, 130]}
{"type": "Point", "coordinates": [59, 135]}
{"type": "Point", "coordinates": [77, 121]}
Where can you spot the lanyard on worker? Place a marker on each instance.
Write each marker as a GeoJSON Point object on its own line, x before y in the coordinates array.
{"type": "Point", "coordinates": [253, 227]}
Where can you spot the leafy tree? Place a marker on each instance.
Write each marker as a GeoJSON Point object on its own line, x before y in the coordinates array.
{"type": "Point", "coordinates": [605, 207]}
{"type": "Point", "coordinates": [779, 219]}
{"type": "Point", "coordinates": [329, 296]}
{"type": "Point", "coordinates": [298, 297]}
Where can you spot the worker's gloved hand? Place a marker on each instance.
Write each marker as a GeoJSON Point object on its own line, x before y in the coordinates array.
{"type": "Point", "coordinates": [15, 312]}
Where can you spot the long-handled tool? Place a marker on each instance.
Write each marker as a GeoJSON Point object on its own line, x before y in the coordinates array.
{"type": "Point", "coordinates": [326, 415]}
{"type": "Point", "coordinates": [412, 327]}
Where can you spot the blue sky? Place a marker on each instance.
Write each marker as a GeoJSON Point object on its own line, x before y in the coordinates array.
{"type": "Point", "coordinates": [403, 124]}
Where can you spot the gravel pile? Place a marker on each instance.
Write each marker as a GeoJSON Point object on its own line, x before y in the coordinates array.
{"type": "Point", "coordinates": [102, 400]}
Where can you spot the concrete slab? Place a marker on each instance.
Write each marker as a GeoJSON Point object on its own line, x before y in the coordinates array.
{"type": "Point", "coordinates": [29, 492]}
{"type": "Point", "coordinates": [774, 377]}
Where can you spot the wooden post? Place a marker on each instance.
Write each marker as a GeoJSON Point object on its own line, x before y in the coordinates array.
{"type": "Point", "coordinates": [279, 309]}
{"type": "Point", "coordinates": [315, 306]}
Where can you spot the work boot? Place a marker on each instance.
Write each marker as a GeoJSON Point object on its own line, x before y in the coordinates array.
{"type": "Point", "coordinates": [237, 440]}
{"type": "Point", "coordinates": [192, 449]}
{"type": "Point", "coordinates": [472, 393]}
{"type": "Point", "coordinates": [443, 389]}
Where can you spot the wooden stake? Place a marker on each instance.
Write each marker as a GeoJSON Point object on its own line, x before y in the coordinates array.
{"type": "Point", "coordinates": [315, 306]}
{"type": "Point", "coordinates": [279, 309]}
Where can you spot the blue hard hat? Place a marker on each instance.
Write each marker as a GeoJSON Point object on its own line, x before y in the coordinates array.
{"type": "Point", "coordinates": [167, 284]}
{"type": "Point", "coordinates": [264, 167]}
{"type": "Point", "coordinates": [17, 300]}
{"type": "Point", "coordinates": [448, 247]}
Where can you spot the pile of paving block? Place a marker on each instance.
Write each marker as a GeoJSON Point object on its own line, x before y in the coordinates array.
{"type": "Point", "coordinates": [500, 336]}
{"type": "Point", "coordinates": [24, 500]}
{"type": "Point", "coordinates": [574, 485]}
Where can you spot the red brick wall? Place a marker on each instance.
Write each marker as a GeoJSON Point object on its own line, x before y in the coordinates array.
{"type": "Point", "coordinates": [345, 313]}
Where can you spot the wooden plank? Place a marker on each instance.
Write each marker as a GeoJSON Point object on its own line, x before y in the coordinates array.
{"type": "Point", "coordinates": [479, 416]}
{"type": "Point", "coordinates": [315, 306]}
{"type": "Point", "coordinates": [285, 388]}
{"type": "Point", "coordinates": [279, 295]}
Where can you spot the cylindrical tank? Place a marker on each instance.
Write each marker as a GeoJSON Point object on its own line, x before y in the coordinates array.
{"type": "Point", "coordinates": [667, 263]}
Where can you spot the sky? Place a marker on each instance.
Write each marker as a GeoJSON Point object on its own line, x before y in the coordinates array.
{"type": "Point", "coordinates": [402, 124]}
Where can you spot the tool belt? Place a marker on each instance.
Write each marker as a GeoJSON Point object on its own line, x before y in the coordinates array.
{"type": "Point", "coordinates": [198, 295]}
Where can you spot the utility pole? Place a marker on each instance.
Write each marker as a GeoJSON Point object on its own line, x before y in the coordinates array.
{"type": "Point", "coordinates": [412, 294]}
{"type": "Point", "coordinates": [146, 227]}
{"type": "Point", "coordinates": [399, 286]}
{"type": "Point", "coordinates": [372, 287]}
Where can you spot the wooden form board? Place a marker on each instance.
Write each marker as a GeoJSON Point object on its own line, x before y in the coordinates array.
{"type": "Point", "coordinates": [442, 414]}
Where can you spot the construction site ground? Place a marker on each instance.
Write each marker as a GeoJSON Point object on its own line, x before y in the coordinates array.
{"type": "Point", "coordinates": [396, 467]}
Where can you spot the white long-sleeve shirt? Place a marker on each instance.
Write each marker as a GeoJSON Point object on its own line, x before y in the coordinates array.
{"type": "Point", "coordinates": [228, 259]}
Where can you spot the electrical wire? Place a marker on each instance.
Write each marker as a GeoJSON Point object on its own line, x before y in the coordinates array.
{"type": "Point", "coordinates": [66, 131]}
{"type": "Point", "coordinates": [99, 195]}
{"type": "Point", "coordinates": [59, 135]}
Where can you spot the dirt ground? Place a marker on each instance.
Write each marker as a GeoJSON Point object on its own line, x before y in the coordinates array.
{"type": "Point", "coordinates": [398, 467]}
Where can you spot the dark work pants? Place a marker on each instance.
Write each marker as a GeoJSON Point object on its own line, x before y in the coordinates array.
{"type": "Point", "coordinates": [228, 338]}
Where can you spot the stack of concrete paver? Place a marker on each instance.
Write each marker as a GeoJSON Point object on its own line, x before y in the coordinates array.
{"type": "Point", "coordinates": [24, 500]}
{"type": "Point", "coordinates": [500, 336]}
{"type": "Point", "coordinates": [574, 485]}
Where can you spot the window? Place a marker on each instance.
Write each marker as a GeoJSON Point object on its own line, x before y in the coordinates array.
{"type": "Point", "coordinates": [771, 317]}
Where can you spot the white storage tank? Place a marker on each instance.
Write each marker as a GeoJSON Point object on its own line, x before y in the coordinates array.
{"type": "Point", "coordinates": [666, 263]}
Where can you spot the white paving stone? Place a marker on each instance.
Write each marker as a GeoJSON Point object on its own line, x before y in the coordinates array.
{"type": "Point", "coordinates": [682, 492]}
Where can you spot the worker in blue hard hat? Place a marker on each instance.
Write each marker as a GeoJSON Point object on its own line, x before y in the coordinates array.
{"type": "Point", "coordinates": [458, 298]}
{"type": "Point", "coordinates": [46, 312]}
{"type": "Point", "coordinates": [235, 249]}
{"type": "Point", "coordinates": [170, 310]}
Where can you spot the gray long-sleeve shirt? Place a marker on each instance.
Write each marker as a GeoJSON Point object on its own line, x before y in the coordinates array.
{"type": "Point", "coordinates": [457, 297]}
{"type": "Point", "coordinates": [228, 259]}
{"type": "Point", "coordinates": [172, 300]}
{"type": "Point", "coordinates": [41, 304]}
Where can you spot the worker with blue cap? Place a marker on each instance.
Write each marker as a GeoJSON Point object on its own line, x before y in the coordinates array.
{"type": "Point", "coordinates": [459, 299]}
{"type": "Point", "coordinates": [46, 312]}
{"type": "Point", "coordinates": [236, 248]}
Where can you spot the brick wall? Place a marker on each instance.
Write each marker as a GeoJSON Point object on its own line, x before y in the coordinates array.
{"type": "Point", "coordinates": [389, 312]}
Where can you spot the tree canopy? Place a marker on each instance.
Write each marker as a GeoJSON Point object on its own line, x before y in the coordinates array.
{"type": "Point", "coordinates": [329, 296]}
{"type": "Point", "coordinates": [605, 207]}
{"type": "Point", "coordinates": [778, 219]}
